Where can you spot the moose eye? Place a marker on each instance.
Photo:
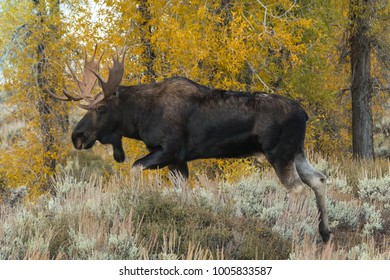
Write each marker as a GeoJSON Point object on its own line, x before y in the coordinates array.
{"type": "Point", "coordinates": [101, 109]}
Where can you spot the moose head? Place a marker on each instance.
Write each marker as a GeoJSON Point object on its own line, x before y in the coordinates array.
{"type": "Point", "coordinates": [101, 122]}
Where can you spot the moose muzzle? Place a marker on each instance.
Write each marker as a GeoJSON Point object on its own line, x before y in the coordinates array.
{"type": "Point", "coordinates": [80, 141]}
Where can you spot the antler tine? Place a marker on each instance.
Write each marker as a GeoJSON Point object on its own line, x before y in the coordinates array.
{"type": "Point", "coordinates": [68, 96]}
{"type": "Point", "coordinates": [115, 75]}
{"type": "Point", "coordinates": [91, 104]}
{"type": "Point", "coordinates": [89, 77]}
{"type": "Point", "coordinates": [94, 53]}
{"type": "Point", "coordinates": [124, 54]}
{"type": "Point", "coordinates": [80, 84]}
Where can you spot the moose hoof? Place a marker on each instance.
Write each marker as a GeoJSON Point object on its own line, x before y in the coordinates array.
{"type": "Point", "coordinates": [325, 235]}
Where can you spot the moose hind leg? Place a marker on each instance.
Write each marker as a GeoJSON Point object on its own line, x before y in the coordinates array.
{"type": "Point", "coordinates": [317, 182]}
{"type": "Point", "coordinates": [289, 177]}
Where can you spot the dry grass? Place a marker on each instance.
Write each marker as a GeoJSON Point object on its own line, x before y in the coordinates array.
{"type": "Point", "coordinates": [142, 216]}
{"type": "Point", "coordinates": [131, 218]}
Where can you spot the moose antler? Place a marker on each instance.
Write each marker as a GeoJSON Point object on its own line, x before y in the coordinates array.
{"type": "Point", "coordinates": [90, 76]}
{"type": "Point", "coordinates": [89, 80]}
{"type": "Point", "coordinates": [115, 75]}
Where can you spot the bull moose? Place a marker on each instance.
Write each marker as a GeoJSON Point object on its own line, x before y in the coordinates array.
{"type": "Point", "coordinates": [180, 120]}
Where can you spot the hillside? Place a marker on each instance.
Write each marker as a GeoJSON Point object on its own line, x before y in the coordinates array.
{"type": "Point", "coordinates": [141, 216]}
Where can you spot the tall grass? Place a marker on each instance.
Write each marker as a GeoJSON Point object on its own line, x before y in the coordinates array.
{"type": "Point", "coordinates": [107, 215]}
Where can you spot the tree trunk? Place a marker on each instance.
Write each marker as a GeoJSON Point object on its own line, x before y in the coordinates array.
{"type": "Point", "coordinates": [362, 124]}
{"type": "Point", "coordinates": [45, 109]}
{"type": "Point", "coordinates": [45, 103]}
{"type": "Point", "coordinates": [146, 33]}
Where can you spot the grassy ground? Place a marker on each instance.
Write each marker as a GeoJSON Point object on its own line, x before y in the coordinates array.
{"type": "Point", "coordinates": [142, 216]}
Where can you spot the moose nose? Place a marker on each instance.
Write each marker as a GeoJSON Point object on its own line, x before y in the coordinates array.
{"type": "Point", "coordinates": [78, 140]}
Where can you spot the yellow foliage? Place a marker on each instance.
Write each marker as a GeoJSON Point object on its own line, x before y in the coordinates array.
{"type": "Point", "coordinates": [34, 55]}
{"type": "Point", "coordinates": [279, 46]}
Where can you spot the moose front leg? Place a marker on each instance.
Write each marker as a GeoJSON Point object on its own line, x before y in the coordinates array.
{"type": "Point", "coordinates": [161, 158]}
{"type": "Point", "coordinates": [155, 159]}
{"type": "Point", "coordinates": [179, 169]}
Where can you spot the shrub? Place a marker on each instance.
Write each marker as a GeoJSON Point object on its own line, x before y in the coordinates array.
{"type": "Point", "coordinates": [367, 251]}
{"type": "Point", "coordinates": [372, 219]}
{"type": "Point", "coordinates": [134, 219]}
{"type": "Point", "coordinates": [341, 185]}
{"type": "Point", "coordinates": [343, 215]}
{"type": "Point", "coordinates": [84, 164]}
{"type": "Point", "coordinates": [238, 238]}
{"type": "Point", "coordinates": [268, 200]}
{"type": "Point", "coordinates": [141, 216]}
{"type": "Point", "coordinates": [375, 190]}
{"type": "Point", "coordinates": [13, 197]}
{"type": "Point", "coordinates": [350, 215]}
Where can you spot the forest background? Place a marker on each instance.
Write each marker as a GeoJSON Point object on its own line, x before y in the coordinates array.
{"type": "Point", "coordinates": [300, 49]}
